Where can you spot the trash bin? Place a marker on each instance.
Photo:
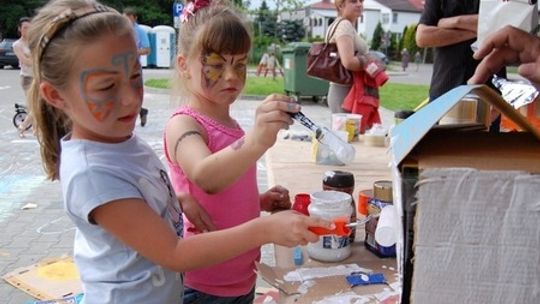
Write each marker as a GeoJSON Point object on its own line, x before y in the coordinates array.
{"type": "Point", "coordinates": [297, 82]}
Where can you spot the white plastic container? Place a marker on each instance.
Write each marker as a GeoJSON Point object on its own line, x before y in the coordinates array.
{"type": "Point", "coordinates": [330, 205]}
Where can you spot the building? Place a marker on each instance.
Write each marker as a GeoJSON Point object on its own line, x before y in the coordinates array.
{"type": "Point", "coordinates": [394, 16]}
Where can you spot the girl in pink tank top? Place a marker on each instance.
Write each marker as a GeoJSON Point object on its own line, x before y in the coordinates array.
{"type": "Point", "coordinates": [210, 156]}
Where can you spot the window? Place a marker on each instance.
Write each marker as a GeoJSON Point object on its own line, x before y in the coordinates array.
{"type": "Point", "coordinates": [394, 17]}
{"type": "Point", "coordinates": [385, 18]}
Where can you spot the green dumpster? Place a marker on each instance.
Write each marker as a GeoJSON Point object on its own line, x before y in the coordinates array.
{"type": "Point", "coordinates": [297, 82]}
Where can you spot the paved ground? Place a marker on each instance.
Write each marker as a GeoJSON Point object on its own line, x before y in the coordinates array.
{"type": "Point", "coordinates": [28, 236]}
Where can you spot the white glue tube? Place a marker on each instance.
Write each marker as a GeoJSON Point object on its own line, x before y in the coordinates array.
{"type": "Point", "coordinates": [385, 234]}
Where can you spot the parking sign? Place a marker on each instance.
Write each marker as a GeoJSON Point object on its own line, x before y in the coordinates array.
{"type": "Point", "coordinates": [177, 9]}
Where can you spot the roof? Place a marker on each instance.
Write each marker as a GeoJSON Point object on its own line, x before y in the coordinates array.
{"type": "Point", "coordinates": [324, 4]}
{"type": "Point", "coordinates": [403, 5]}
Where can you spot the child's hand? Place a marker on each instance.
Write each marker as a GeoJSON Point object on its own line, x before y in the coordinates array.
{"type": "Point", "coordinates": [196, 214]}
{"type": "Point", "coordinates": [290, 228]}
{"type": "Point", "coordinates": [277, 198]}
{"type": "Point", "coordinates": [271, 116]}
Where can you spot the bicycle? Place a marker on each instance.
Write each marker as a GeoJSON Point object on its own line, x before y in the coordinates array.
{"type": "Point", "coordinates": [21, 112]}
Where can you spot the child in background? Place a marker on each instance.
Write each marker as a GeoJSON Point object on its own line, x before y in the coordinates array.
{"type": "Point", "coordinates": [86, 95]}
{"type": "Point", "coordinates": [262, 64]}
{"type": "Point", "coordinates": [272, 64]}
{"type": "Point", "coordinates": [209, 154]}
{"type": "Point", "coordinates": [21, 50]}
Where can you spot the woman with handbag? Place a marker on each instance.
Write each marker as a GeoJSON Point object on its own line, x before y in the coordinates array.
{"type": "Point", "coordinates": [351, 47]}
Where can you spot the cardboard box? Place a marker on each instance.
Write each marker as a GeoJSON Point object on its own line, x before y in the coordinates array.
{"type": "Point", "coordinates": [428, 245]}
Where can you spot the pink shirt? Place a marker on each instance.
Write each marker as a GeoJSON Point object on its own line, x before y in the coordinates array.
{"type": "Point", "coordinates": [235, 205]}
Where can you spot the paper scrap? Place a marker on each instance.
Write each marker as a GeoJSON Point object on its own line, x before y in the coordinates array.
{"type": "Point", "coordinates": [304, 274]}
{"type": "Point", "coordinates": [29, 206]}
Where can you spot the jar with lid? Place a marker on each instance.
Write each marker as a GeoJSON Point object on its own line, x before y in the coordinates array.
{"type": "Point", "coordinates": [330, 205]}
{"type": "Point", "coordinates": [344, 182]}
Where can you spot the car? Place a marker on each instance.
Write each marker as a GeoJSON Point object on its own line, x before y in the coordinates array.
{"type": "Point", "coordinates": [7, 56]}
{"type": "Point", "coordinates": [382, 57]}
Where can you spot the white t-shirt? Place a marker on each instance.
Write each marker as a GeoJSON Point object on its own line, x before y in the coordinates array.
{"type": "Point", "coordinates": [93, 174]}
{"type": "Point", "coordinates": [26, 70]}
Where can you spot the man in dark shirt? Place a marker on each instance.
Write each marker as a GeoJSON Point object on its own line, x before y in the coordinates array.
{"type": "Point", "coordinates": [450, 27]}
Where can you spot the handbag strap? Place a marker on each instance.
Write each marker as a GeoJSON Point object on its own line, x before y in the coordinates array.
{"type": "Point", "coordinates": [329, 34]}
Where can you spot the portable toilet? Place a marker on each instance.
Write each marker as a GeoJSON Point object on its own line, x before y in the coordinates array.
{"type": "Point", "coordinates": [164, 42]}
{"type": "Point", "coordinates": [144, 58]}
{"type": "Point", "coordinates": [151, 58]}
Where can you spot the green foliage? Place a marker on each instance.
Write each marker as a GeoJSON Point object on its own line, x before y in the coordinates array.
{"type": "Point", "coordinates": [11, 12]}
{"type": "Point", "coordinates": [291, 30]}
{"type": "Point", "coordinates": [393, 49]}
{"type": "Point", "coordinates": [409, 39]}
{"type": "Point", "coordinates": [401, 42]}
{"type": "Point", "coordinates": [377, 39]}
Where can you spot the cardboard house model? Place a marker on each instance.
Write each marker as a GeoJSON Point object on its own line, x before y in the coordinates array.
{"type": "Point", "coordinates": [469, 205]}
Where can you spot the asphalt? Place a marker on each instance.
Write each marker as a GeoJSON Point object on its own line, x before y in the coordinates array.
{"type": "Point", "coordinates": [31, 235]}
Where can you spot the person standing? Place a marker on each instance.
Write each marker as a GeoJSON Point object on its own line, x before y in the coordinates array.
{"type": "Point", "coordinates": [351, 47]}
{"type": "Point", "coordinates": [22, 51]}
{"type": "Point", "coordinates": [405, 57]}
{"type": "Point", "coordinates": [450, 28]}
{"type": "Point", "coordinates": [417, 60]}
{"type": "Point", "coordinates": [143, 48]}
{"type": "Point", "coordinates": [262, 64]}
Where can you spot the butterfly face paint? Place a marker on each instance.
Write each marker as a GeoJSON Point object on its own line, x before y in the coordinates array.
{"type": "Point", "coordinates": [100, 86]}
{"type": "Point", "coordinates": [215, 65]}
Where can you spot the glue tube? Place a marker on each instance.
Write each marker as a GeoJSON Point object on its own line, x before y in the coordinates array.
{"type": "Point", "coordinates": [385, 234]}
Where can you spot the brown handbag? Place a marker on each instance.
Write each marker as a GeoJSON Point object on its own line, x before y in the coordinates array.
{"type": "Point", "coordinates": [323, 61]}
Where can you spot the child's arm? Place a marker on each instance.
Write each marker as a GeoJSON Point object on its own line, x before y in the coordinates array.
{"type": "Point", "coordinates": [187, 145]}
{"type": "Point", "coordinates": [135, 224]}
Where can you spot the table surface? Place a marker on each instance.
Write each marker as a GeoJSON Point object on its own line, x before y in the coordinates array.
{"type": "Point", "coordinates": [290, 164]}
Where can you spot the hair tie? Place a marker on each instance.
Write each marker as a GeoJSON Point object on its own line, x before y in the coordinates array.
{"type": "Point", "coordinates": [61, 21]}
{"type": "Point", "coordinates": [192, 8]}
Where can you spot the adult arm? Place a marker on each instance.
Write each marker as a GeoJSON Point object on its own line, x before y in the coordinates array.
{"type": "Point", "coordinates": [435, 36]}
{"type": "Point", "coordinates": [508, 45]}
{"type": "Point", "coordinates": [23, 58]}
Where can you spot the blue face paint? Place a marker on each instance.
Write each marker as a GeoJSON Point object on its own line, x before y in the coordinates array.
{"type": "Point", "coordinates": [99, 86]}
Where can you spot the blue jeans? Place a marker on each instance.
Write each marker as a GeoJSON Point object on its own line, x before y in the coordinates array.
{"type": "Point", "coordinates": [192, 296]}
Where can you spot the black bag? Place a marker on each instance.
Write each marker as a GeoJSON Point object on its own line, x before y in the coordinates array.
{"type": "Point", "coordinates": [323, 61]}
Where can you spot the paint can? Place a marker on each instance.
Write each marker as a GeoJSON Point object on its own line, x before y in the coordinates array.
{"type": "Point", "coordinates": [330, 205]}
{"type": "Point", "coordinates": [382, 197]}
{"type": "Point", "coordinates": [341, 181]}
{"type": "Point", "coordinates": [363, 199]}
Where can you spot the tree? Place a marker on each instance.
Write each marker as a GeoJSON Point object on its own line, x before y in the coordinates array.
{"type": "Point", "coordinates": [409, 39]}
{"type": "Point", "coordinates": [291, 30]}
{"type": "Point", "coordinates": [378, 36]}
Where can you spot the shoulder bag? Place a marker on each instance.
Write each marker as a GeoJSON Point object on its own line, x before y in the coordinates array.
{"type": "Point", "coordinates": [323, 61]}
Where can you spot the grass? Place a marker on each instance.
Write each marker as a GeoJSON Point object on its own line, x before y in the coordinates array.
{"type": "Point", "coordinates": [394, 96]}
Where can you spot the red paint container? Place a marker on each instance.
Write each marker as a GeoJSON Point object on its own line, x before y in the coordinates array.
{"type": "Point", "coordinates": [301, 203]}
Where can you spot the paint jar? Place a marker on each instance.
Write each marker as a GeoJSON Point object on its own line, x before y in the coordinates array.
{"type": "Point", "coordinates": [341, 181]}
{"type": "Point", "coordinates": [330, 205]}
{"type": "Point", "coordinates": [301, 203]}
{"type": "Point", "coordinates": [363, 199]}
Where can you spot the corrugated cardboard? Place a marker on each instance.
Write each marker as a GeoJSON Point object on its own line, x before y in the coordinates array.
{"type": "Point", "coordinates": [50, 279]}
{"type": "Point", "coordinates": [418, 143]}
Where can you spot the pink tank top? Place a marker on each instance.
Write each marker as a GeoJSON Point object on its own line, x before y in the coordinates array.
{"type": "Point", "coordinates": [232, 206]}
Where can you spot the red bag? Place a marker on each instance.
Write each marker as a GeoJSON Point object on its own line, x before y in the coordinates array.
{"type": "Point", "coordinates": [323, 62]}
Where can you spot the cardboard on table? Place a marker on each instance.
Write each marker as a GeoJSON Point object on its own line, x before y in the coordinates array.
{"type": "Point", "coordinates": [468, 205]}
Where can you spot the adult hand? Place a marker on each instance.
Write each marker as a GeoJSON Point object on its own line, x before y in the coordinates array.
{"type": "Point", "coordinates": [195, 213]}
{"type": "Point", "coordinates": [509, 45]}
{"type": "Point", "coordinates": [277, 198]}
{"type": "Point", "coordinates": [290, 228]}
{"type": "Point", "coordinates": [271, 116]}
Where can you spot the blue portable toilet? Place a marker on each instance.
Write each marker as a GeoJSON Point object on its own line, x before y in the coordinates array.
{"type": "Point", "coordinates": [144, 59]}
{"type": "Point", "coordinates": [165, 37]}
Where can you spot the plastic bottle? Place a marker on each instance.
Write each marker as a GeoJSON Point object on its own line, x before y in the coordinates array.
{"type": "Point", "coordinates": [516, 93]}
{"type": "Point", "coordinates": [330, 205]}
{"type": "Point", "coordinates": [344, 151]}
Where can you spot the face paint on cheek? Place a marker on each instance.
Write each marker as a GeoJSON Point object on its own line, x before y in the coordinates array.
{"type": "Point", "coordinates": [99, 106]}
{"type": "Point", "coordinates": [213, 67]}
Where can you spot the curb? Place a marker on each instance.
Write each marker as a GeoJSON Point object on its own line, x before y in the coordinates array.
{"type": "Point", "coordinates": [153, 90]}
